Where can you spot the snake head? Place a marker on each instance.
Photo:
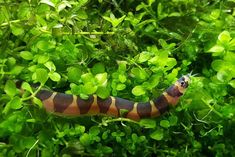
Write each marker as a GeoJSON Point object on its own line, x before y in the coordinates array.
{"type": "Point", "coordinates": [183, 82]}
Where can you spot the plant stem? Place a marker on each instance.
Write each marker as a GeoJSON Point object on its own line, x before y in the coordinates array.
{"type": "Point", "coordinates": [121, 120]}
{"type": "Point", "coordinates": [7, 23]}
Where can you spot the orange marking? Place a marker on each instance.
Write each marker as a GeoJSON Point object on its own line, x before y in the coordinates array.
{"type": "Point", "coordinates": [181, 89]}
{"type": "Point", "coordinates": [171, 100]}
{"type": "Point", "coordinates": [94, 109]}
{"type": "Point", "coordinates": [133, 113]}
{"type": "Point", "coordinates": [154, 111]}
{"type": "Point", "coordinates": [49, 104]}
{"type": "Point", "coordinates": [72, 109]}
{"type": "Point", "coordinates": [113, 111]}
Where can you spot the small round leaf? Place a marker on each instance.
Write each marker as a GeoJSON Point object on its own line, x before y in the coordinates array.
{"type": "Point", "coordinates": [164, 123]}
{"type": "Point", "coordinates": [138, 90]}
{"type": "Point", "coordinates": [26, 55]}
{"type": "Point", "coordinates": [10, 88]}
{"type": "Point", "coordinates": [54, 76]}
{"type": "Point", "coordinates": [157, 135]}
{"type": "Point", "coordinates": [41, 75]}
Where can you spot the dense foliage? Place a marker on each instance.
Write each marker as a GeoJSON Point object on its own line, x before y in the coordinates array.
{"type": "Point", "coordinates": [130, 49]}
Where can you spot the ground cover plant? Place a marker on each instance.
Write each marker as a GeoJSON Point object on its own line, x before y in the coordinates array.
{"type": "Point", "coordinates": [130, 49]}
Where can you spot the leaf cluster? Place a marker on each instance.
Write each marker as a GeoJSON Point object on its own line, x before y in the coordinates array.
{"type": "Point", "coordinates": [130, 49]}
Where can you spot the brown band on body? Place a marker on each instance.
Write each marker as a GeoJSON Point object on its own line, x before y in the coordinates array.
{"type": "Point", "coordinates": [170, 99]}
{"type": "Point", "coordinates": [174, 91]}
{"type": "Point", "coordinates": [144, 110]}
{"type": "Point", "coordinates": [133, 113]}
{"type": "Point", "coordinates": [123, 104]}
{"type": "Point", "coordinates": [48, 104]}
{"type": "Point", "coordinates": [154, 111]}
{"type": "Point", "coordinates": [94, 109]}
{"type": "Point", "coordinates": [104, 104]}
{"type": "Point", "coordinates": [62, 101]}
{"type": "Point", "coordinates": [44, 94]}
{"type": "Point", "coordinates": [113, 111]}
{"type": "Point", "coordinates": [84, 105]}
{"type": "Point", "coordinates": [161, 104]}
{"type": "Point", "coordinates": [73, 108]}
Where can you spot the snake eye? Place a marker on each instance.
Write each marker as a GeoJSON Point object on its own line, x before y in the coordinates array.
{"type": "Point", "coordinates": [182, 83]}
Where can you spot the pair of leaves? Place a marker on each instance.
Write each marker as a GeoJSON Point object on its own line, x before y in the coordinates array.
{"type": "Point", "coordinates": [113, 20]}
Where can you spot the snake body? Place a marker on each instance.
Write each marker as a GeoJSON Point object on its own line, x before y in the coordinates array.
{"type": "Point", "coordinates": [72, 105]}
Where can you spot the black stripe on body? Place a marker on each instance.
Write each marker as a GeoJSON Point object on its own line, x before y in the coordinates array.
{"type": "Point", "coordinates": [144, 110]}
{"type": "Point", "coordinates": [44, 94]}
{"type": "Point", "coordinates": [161, 104]}
{"type": "Point", "coordinates": [84, 105]}
{"type": "Point", "coordinates": [62, 101]}
{"type": "Point", "coordinates": [174, 91]}
{"type": "Point", "coordinates": [104, 104]}
{"type": "Point", "coordinates": [123, 104]}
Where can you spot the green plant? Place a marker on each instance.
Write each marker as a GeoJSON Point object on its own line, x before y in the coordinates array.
{"type": "Point", "coordinates": [130, 49]}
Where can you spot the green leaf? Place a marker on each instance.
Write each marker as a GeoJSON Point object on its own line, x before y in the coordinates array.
{"type": "Point", "coordinates": [224, 76]}
{"type": "Point", "coordinates": [157, 135]}
{"type": "Point", "coordinates": [41, 75]}
{"type": "Point", "coordinates": [87, 78]}
{"type": "Point", "coordinates": [43, 59]}
{"type": "Point", "coordinates": [15, 103]}
{"type": "Point", "coordinates": [216, 48]}
{"type": "Point", "coordinates": [98, 68]}
{"type": "Point", "coordinates": [24, 11]}
{"type": "Point", "coordinates": [84, 96]}
{"type": "Point", "coordinates": [37, 102]}
{"type": "Point", "coordinates": [26, 87]}
{"type": "Point", "coordinates": [139, 73]}
{"type": "Point", "coordinates": [89, 88]}
{"type": "Point", "coordinates": [62, 5]}
{"type": "Point", "coordinates": [102, 92]}
{"type": "Point", "coordinates": [232, 83]}
{"type": "Point", "coordinates": [144, 56]}
{"type": "Point", "coordinates": [224, 37]}
{"type": "Point", "coordinates": [232, 44]}
{"type": "Point", "coordinates": [17, 30]}
{"type": "Point", "coordinates": [26, 55]}
{"type": "Point", "coordinates": [94, 130]}
{"type": "Point", "coordinates": [171, 62]}
{"type": "Point", "coordinates": [45, 45]}
{"type": "Point", "coordinates": [122, 78]}
{"type": "Point", "coordinates": [217, 64]}
{"type": "Point", "coordinates": [173, 120]}
{"type": "Point", "coordinates": [113, 20]}
{"type": "Point", "coordinates": [122, 66]}
{"type": "Point", "coordinates": [159, 10]}
{"type": "Point", "coordinates": [54, 76]}
{"type": "Point", "coordinates": [82, 14]}
{"type": "Point", "coordinates": [50, 65]}
{"type": "Point", "coordinates": [164, 123]}
{"type": "Point", "coordinates": [29, 142]}
{"type": "Point", "coordinates": [10, 88]}
{"type": "Point", "coordinates": [150, 2]}
{"type": "Point", "coordinates": [138, 90]}
{"type": "Point", "coordinates": [85, 139]}
{"type": "Point", "coordinates": [120, 86]}
{"type": "Point", "coordinates": [75, 89]}
{"type": "Point", "coordinates": [148, 123]}
{"type": "Point", "coordinates": [107, 150]}
{"type": "Point", "coordinates": [16, 70]}
{"type": "Point", "coordinates": [101, 79]}
{"type": "Point", "coordinates": [74, 74]}
{"type": "Point", "coordinates": [215, 14]}
{"type": "Point", "coordinates": [48, 2]}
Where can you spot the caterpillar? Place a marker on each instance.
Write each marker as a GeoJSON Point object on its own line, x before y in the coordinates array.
{"type": "Point", "coordinates": [72, 105]}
